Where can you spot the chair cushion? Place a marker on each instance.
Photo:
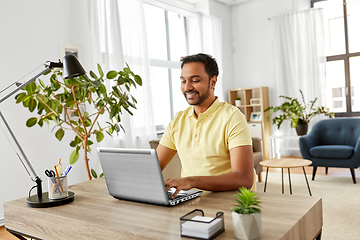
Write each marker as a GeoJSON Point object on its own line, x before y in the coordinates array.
{"type": "Point", "coordinates": [332, 151]}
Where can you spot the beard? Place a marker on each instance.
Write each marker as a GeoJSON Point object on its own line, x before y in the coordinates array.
{"type": "Point", "coordinates": [201, 97]}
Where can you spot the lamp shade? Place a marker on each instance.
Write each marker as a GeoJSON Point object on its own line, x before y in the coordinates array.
{"type": "Point", "coordinates": [72, 67]}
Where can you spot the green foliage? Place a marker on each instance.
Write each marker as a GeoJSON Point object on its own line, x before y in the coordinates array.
{"type": "Point", "coordinates": [247, 202]}
{"type": "Point", "coordinates": [62, 99]}
{"type": "Point", "coordinates": [296, 112]}
{"type": "Point", "coordinates": [94, 174]}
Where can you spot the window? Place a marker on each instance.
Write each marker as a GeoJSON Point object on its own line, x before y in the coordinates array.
{"type": "Point", "coordinates": [166, 37]}
{"type": "Point", "coordinates": [343, 55]}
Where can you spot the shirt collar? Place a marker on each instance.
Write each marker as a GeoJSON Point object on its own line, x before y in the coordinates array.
{"type": "Point", "coordinates": [210, 111]}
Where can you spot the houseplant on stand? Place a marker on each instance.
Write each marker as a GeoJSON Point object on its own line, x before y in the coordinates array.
{"type": "Point", "coordinates": [77, 103]}
{"type": "Point", "coordinates": [246, 215]}
{"type": "Point", "coordinates": [297, 113]}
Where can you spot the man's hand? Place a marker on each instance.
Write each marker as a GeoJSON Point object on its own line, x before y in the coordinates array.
{"type": "Point", "coordinates": [179, 184]}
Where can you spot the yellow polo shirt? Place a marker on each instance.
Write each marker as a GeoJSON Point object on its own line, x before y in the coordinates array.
{"type": "Point", "coordinates": [203, 144]}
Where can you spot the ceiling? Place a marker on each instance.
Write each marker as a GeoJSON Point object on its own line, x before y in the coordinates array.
{"type": "Point", "coordinates": [227, 2]}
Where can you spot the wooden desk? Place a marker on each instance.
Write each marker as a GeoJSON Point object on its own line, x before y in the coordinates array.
{"type": "Point", "coordinates": [94, 214]}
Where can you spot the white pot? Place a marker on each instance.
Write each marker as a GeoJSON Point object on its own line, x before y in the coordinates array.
{"type": "Point", "coordinates": [247, 227]}
{"type": "Point", "coordinates": [237, 103]}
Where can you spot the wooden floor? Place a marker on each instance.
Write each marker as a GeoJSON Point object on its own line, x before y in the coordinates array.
{"type": "Point", "coordinates": [344, 172]}
{"type": "Point", "coordinates": [5, 235]}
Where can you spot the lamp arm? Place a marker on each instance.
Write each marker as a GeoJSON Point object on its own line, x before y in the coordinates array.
{"type": "Point", "coordinates": [24, 160]}
{"type": "Point", "coordinates": [23, 84]}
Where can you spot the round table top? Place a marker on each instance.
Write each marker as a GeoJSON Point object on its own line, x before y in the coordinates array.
{"type": "Point", "coordinates": [286, 163]}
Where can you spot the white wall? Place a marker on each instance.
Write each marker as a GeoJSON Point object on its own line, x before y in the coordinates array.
{"type": "Point", "coordinates": [31, 33]}
{"type": "Point", "coordinates": [253, 58]}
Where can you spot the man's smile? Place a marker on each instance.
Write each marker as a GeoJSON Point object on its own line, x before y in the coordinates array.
{"type": "Point", "coordinates": [190, 94]}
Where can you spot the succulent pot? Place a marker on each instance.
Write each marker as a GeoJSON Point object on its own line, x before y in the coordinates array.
{"type": "Point", "coordinates": [247, 226]}
{"type": "Point", "coordinates": [237, 103]}
{"type": "Point", "coordinates": [301, 129]}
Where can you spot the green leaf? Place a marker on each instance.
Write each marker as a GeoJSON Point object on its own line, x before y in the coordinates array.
{"type": "Point", "coordinates": [74, 157]}
{"type": "Point", "coordinates": [41, 83]}
{"type": "Point", "coordinates": [114, 111]}
{"type": "Point", "coordinates": [59, 134]}
{"type": "Point", "coordinates": [93, 75]}
{"type": "Point", "coordinates": [93, 173]}
{"type": "Point", "coordinates": [138, 80]}
{"type": "Point", "coordinates": [31, 122]}
{"type": "Point", "coordinates": [32, 104]}
{"type": "Point", "coordinates": [96, 84]}
{"type": "Point", "coordinates": [99, 136]}
{"type": "Point", "coordinates": [111, 75]}
{"type": "Point", "coordinates": [101, 175]}
{"type": "Point", "coordinates": [20, 97]}
{"type": "Point", "coordinates": [41, 122]}
{"type": "Point", "coordinates": [32, 87]}
{"type": "Point", "coordinates": [100, 70]}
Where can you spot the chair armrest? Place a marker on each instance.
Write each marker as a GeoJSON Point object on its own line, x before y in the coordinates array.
{"type": "Point", "coordinates": [306, 142]}
{"type": "Point", "coordinates": [356, 156]}
{"type": "Point", "coordinates": [256, 144]}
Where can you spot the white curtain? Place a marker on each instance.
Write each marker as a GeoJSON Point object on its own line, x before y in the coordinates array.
{"type": "Point", "coordinates": [119, 37]}
{"type": "Point", "coordinates": [299, 59]}
{"type": "Point", "coordinates": [205, 35]}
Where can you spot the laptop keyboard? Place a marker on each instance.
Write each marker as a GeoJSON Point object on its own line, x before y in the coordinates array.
{"type": "Point", "coordinates": [176, 197]}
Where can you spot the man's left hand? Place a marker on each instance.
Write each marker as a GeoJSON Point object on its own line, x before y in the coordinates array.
{"type": "Point", "coordinates": [179, 184]}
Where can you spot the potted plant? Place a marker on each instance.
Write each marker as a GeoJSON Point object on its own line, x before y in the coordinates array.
{"type": "Point", "coordinates": [297, 113]}
{"type": "Point", "coordinates": [76, 104]}
{"type": "Point", "coordinates": [238, 101]}
{"type": "Point", "coordinates": [246, 215]}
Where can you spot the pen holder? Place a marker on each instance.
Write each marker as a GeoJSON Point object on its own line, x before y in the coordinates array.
{"type": "Point", "coordinates": [195, 225]}
{"type": "Point", "coordinates": [57, 187]}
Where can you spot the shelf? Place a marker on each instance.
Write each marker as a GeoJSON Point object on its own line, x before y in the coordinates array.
{"type": "Point", "coordinates": [261, 94]}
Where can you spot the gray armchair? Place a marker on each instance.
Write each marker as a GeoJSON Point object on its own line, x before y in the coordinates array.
{"type": "Point", "coordinates": [333, 142]}
{"type": "Point", "coordinates": [173, 169]}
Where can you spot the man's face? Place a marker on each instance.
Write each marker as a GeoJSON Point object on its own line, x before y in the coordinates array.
{"type": "Point", "coordinates": [195, 83]}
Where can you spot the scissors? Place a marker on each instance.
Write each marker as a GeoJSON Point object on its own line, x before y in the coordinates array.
{"type": "Point", "coordinates": [49, 173]}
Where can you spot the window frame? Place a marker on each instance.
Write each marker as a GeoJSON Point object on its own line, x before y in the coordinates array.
{"type": "Point", "coordinates": [168, 63]}
{"type": "Point", "coordinates": [346, 58]}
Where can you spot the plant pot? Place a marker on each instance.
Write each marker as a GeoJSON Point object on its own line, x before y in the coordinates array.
{"type": "Point", "coordinates": [301, 129]}
{"type": "Point", "coordinates": [247, 227]}
{"type": "Point", "coordinates": [237, 103]}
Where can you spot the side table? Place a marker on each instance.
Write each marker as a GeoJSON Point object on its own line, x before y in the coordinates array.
{"type": "Point", "coordinates": [286, 163]}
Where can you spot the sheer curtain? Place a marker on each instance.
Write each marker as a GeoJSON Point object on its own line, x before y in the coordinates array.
{"type": "Point", "coordinates": [299, 59]}
{"type": "Point", "coordinates": [205, 35]}
{"type": "Point", "coordinates": [118, 36]}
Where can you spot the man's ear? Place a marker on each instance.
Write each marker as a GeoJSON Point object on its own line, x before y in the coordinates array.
{"type": "Point", "coordinates": [213, 81]}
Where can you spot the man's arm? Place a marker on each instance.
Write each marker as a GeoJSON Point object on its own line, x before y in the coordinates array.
{"type": "Point", "coordinates": [165, 155]}
{"type": "Point", "coordinates": [242, 175]}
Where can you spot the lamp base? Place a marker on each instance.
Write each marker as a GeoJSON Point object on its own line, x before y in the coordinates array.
{"type": "Point", "coordinates": [45, 202]}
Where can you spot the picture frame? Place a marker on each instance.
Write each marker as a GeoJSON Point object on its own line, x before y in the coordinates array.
{"type": "Point", "coordinates": [70, 49]}
{"type": "Point", "coordinates": [71, 112]}
{"type": "Point", "coordinates": [255, 101]}
{"type": "Point", "coordinates": [255, 117]}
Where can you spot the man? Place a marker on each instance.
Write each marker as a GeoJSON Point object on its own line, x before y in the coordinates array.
{"type": "Point", "coordinates": [211, 137]}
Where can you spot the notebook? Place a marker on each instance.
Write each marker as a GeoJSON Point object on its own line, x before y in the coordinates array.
{"type": "Point", "coordinates": [135, 175]}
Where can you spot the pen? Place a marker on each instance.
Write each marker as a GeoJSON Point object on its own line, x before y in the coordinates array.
{"type": "Point", "coordinates": [67, 170]}
{"type": "Point", "coordinates": [57, 174]}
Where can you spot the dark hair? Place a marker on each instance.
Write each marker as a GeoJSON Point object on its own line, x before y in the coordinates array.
{"type": "Point", "coordinates": [211, 66]}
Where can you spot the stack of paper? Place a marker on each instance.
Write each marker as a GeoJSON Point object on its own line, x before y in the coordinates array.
{"type": "Point", "coordinates": [202, 229]}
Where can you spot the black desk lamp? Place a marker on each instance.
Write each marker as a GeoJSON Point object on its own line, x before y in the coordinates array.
{"type": "Point", "coordinates": [71, 68]}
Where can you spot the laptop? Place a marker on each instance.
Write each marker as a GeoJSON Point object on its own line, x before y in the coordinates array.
{"type": "Point", "coordinates": [135, 175]}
